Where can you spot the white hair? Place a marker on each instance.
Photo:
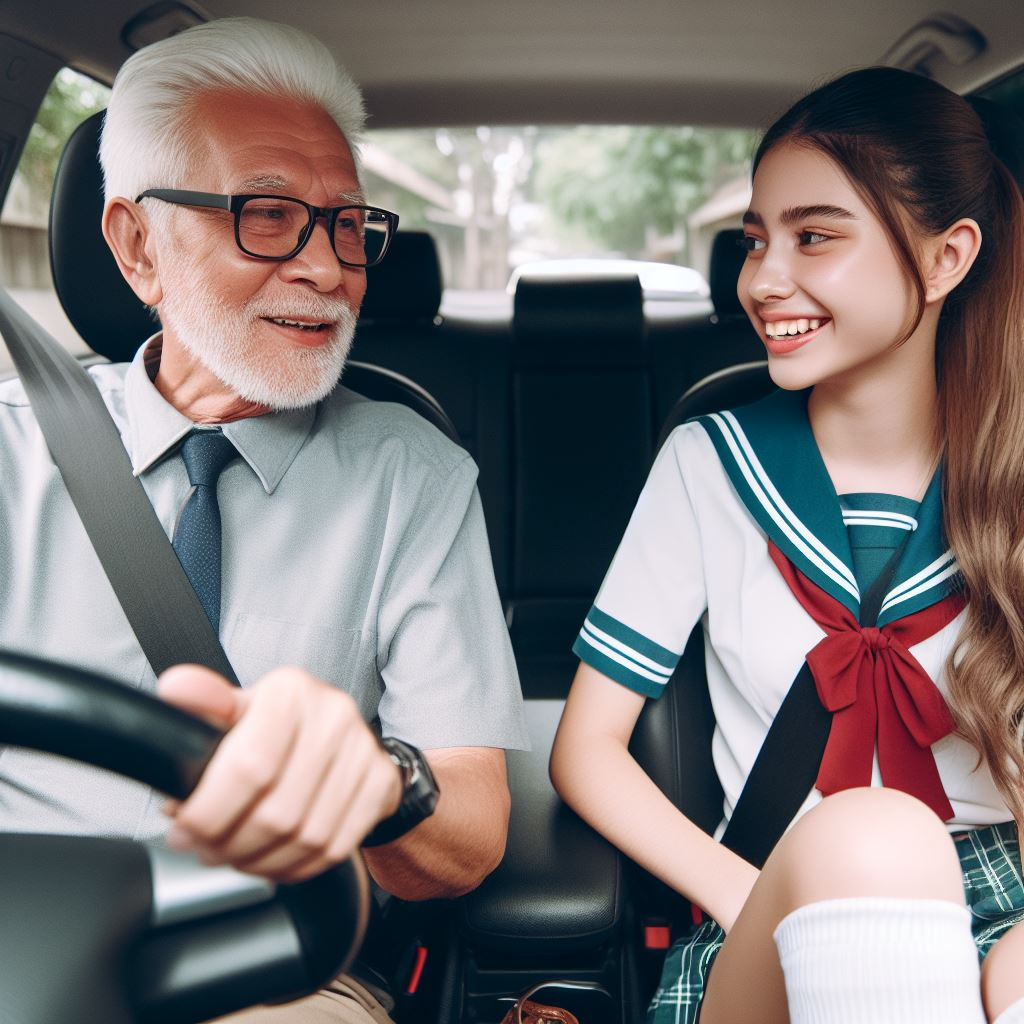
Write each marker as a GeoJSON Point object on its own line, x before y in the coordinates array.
{"type": "Point", "coordinates": [147, 133]}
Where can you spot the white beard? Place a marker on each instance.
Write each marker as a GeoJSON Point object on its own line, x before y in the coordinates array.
{"type": "Point", "coordinates": [282, 378]}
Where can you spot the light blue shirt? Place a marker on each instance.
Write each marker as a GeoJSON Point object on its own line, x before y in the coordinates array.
{"type": "Point", "coordinates": [353, 546]}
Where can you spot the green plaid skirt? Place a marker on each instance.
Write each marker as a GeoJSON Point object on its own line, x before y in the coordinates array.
{"type": "Point", "coordinates": [993, 888]}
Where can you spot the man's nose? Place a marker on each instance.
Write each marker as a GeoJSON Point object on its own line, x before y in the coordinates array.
{"type": "Point", "coordinates": [317, 261]}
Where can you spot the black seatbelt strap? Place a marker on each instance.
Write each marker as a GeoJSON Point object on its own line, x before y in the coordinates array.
{"type": "Point", "coordinates": [157, 598]}
{"type": "Point", "coordinates": [787, 764]}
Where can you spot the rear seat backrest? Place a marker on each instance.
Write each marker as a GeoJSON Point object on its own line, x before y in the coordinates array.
{"type": "Point", "coordinates": [583, 432]}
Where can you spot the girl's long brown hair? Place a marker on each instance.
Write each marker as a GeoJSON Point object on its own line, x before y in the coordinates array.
{"type": "Point", "coordinates": [919, 157]}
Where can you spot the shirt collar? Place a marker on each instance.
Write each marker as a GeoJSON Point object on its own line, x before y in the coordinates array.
{"type": "Point", "coordinates": [769, 453]}
{"type": "Point", "coordinates": [267, 443]}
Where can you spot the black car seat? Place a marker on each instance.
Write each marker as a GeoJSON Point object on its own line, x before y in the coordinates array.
{"type": "Point", "coordinates": [103, 308]}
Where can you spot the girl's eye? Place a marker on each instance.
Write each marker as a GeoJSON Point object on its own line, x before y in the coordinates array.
{"type": "Point", "coordinates": [812, 238]}
{"type": "Point", "coordinates": [750, 244]}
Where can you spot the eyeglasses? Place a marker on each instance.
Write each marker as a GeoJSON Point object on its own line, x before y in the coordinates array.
{"type": "Point", "coordinates": [277, 227]}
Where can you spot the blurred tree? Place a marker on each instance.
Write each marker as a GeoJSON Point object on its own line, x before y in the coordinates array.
{"type": "Point", "coordinates": [70, 99]}
{"type": "Point", "coordinates": [618, 184]}
{"type": "Point", "coordinates": [420, 149]}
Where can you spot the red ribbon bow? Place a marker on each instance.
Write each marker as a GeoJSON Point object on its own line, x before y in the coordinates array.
{"type": "Point", "coordinates": [876, 689]}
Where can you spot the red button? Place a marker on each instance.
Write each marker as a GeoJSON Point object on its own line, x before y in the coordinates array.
{"type": "Point", "coordinates": [417, 970]}
{"type": "Point", "coordinates": [657, 936]}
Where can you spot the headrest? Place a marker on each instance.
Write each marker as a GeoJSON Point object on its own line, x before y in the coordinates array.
{"type": "Point", "coordinates": [579, 321]}
{"type": "Point", "coordinates": [97, 299]}
{"type": "Point", "coordinates": [1005, 131]}
{"type": "Point", "coordinates": [406, 286]}
{"type": "Point", "coordinates": [726, 261]}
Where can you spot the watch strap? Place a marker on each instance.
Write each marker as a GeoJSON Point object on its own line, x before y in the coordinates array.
{"type": "Point", "coordinates": [419, 798]}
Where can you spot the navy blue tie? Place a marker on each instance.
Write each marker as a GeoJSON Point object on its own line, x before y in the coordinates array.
{"type": "Point", "coordinates": [197, 537]}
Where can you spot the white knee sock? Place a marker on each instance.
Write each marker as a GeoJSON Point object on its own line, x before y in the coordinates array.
{"type": "Point", "coordinates": [880, 961]}
{"type": "Point", "coordinates": [1012, 1014]}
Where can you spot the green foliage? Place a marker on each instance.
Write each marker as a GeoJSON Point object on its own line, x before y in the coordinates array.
{"type": "Point", "coordinates": [70, 99]}
{"type": "Point", "coordinates": [616, 184]}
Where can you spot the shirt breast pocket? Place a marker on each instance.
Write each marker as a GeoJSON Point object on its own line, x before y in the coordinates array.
{"type": "Point", "coordinates": [257, 644]}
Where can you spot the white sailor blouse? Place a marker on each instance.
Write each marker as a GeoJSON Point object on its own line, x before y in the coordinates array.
{"type": "Point", "coordinates": [739, 526]}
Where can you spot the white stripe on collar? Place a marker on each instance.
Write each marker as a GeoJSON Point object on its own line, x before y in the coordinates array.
{"type": "Point", "coordinates": [875, 517]}
{"type": "Point", "coordinates": [775, 505]}
{"type": "Point", "coordinates": [942, 568]}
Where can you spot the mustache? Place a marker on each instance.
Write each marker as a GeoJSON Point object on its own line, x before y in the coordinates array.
{"type": "Point", "coordinates": [309, 308]}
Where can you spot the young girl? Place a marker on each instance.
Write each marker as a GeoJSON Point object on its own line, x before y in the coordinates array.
{"type": "Point", "coordinates": [885, 276]}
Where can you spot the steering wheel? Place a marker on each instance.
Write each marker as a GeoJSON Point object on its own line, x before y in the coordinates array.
{"type": "Point", "coordinates": [115, 931]}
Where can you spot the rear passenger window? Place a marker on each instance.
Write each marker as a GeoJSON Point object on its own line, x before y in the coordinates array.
{"type": "Point", "coordinates": [500, 200]}
{"type": "Point", "coordinates": [24, 252]}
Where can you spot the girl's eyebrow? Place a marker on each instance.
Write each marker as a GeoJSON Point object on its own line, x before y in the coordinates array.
{"type": "Point", "coordinates": [795, 214]}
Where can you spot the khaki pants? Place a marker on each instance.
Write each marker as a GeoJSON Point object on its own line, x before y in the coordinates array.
{"type": "Point", "coordinates": [343, 1001]}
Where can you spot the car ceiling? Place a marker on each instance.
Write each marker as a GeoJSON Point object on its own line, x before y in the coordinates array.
{"type": "Point", "coordinates": [518, 61]}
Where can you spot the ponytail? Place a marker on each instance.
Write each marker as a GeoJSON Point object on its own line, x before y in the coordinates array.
{"type": "Point", "coordinates": [981, 413]}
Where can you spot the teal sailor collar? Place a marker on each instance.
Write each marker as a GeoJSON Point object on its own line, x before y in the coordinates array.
{"type": "Point", "coordinates": [771, 457]}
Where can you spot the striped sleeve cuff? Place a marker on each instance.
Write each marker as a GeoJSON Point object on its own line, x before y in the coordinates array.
{"type": "Point", "coordinates": [624, 655]}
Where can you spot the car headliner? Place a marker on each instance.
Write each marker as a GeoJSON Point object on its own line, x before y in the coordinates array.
{"type": "Point", "coordinates": [727, 62]}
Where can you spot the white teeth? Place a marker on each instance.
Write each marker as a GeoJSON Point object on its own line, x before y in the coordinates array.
{"type": "Point", "coordinates": [783, 328]}
{"type": "Point", "coordinates": [295, 323]}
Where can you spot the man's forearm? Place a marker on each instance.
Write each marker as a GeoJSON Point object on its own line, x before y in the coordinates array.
{"type": "Point", "coordinates": [462, 842]}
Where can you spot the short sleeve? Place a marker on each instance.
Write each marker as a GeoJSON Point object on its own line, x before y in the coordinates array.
{"type": "Point", "coordinates": [444, 653]}
{"type": "Point", "coordinates": [654, 591]}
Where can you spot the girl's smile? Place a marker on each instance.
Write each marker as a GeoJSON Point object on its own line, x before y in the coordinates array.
{"type": "Point", "coordinates": [782, 336]}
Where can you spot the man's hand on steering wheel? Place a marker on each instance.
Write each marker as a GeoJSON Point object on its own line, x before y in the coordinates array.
{"type": "Point", "coordinates": [296, 784]}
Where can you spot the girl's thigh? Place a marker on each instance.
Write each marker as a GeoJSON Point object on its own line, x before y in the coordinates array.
{"type": "Point", "coordinates": [746, 983]}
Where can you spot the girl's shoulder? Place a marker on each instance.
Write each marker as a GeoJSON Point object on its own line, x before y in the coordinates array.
{"type": "Point", "coordinates": [776, 423]}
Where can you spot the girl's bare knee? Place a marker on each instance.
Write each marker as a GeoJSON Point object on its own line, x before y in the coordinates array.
{"type": "Point", "coordinates": [867, 842]}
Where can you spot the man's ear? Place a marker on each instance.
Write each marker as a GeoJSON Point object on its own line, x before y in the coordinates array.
{"type": "Point", "coordinates": [951, 255]}
{"type": "Point", "coordinates": [129, 234]}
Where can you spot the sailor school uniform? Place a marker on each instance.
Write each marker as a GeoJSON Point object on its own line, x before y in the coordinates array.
{"type": "Point", "coordinates": [739, 527]}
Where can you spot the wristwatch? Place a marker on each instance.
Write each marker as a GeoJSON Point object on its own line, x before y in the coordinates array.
{"type": "Point", "coordinates": [419, 793]}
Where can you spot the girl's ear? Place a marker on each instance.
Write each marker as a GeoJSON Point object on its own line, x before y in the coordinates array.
{"type": "Point", "coordinates": [950, 256]}
{"type": "Point", "coordinates": [129, 235]}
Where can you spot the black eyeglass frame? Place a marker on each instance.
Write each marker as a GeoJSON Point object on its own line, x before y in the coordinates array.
{"type": "Point", "coordinates": [234, 204]}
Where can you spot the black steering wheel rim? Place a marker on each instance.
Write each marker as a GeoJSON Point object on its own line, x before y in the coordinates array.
{"type": "Point", "coordinates": [154, 967]}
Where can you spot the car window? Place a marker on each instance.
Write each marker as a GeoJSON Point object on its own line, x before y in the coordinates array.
{"type": "Point", "coordinates": [497, 199]}
{"type": "Point", "coordinates": [24, 252]}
